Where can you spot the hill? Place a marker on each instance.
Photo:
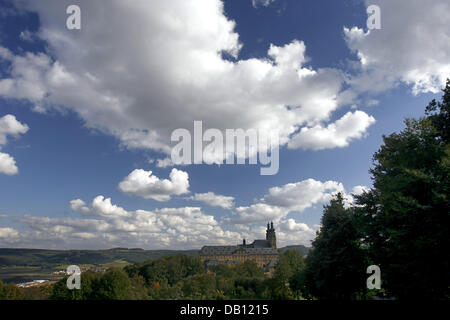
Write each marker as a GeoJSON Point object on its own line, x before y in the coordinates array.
{"type": "Point", "coordinates": [303, 250]}
{"type": "Point", "coordinates": [43, 257]}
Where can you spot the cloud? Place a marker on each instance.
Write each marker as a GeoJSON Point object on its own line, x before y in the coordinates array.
{"type": "Point", "coordinates": [8, 164]}
{"type": "Point", "coordinates": [338, 134]}
{"type": "Point", "coordinates": [214, 200]}
{"type": "Point", "coordinates": [164, 163]}
{"type": "Point", "coordinates": [139, 86]}
{"type": "Point", "coordinates": [78, 205]}
{"type": "Point", "coordinates": [412, 47]}
{"type": "Point", "coordinates": [302, 195]}
{"type": "Point", "coordinates": [9, 126]}
{"type": "Point", "coordinates": [349, 198]}
{"type": "Point", "coordinates": [8, 234]}
{"type": "Point", "coordinates": [100, 207]}
{"type": "Point", "coordinates": [280, 201]}
{"type": "Point", "coordinates": [259, 212]}
{"type": "Point", "coordinates": [181, 62]}
{"type": "Point", "coordinates": [294, 232]}
{"type": "Point", "coordinates": [358, 190]}
{"type": "Point", "coordinates": [144, 184]}
{"type": "Point", "coordinates": [264, 3]}
{"type": "Point", "coordinates": [26, 35]}
{"type": "Point", "coordinates": [107, 225]}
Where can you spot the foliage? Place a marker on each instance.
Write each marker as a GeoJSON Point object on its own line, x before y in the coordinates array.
{"type": "Point", "coordinates": [11, 292]}
{"type": "Point", "coordinates": [285, 280]}
{"type": "Point", "coordinates": [336, 265]}
{"type": "Point", "coordinates": [171, 269]}
{"type": "Point", "coordinates": [183, 277]}
{"type": "Point", "coordinates": [111, 285]}
{"type": "Point", "coordinates": [405, 217]}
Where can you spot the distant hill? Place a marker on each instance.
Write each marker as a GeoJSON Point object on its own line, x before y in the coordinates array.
{"type": "Point", "coordinates": [48, 258]}
{"type": "Point", "coordinates": [303, 250]}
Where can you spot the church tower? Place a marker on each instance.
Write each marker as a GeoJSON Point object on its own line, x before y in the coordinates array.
{"type": "Point", "coordinates": [270, 235]}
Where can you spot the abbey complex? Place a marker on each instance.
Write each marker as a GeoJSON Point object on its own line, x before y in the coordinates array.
{"type": "Point", "coordinates": [263, 252]}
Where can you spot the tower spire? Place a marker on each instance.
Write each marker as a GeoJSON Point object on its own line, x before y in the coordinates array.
{"type": "Point", "coordinates": [270, 235]}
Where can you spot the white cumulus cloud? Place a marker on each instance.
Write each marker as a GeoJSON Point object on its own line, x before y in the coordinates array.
{"type": "Point", "coordinates": [139, 86]}
{"type": "Point", "coordinates": [8, 164]}
{"type": "Point", "coordinates": [280, 201]}
{"type": "Point", "coordinates": [144, 184]}
{"type": "Point", "coordinates": [8, 233]}
{"type": "Point", "coordinates": [338, 134]}
{"type": "Point", "coordinates": [9, 126]}
{"type": "Point", "coordinates": [214, 200]}
{"type": "Point", "coordinates": [411, 47]}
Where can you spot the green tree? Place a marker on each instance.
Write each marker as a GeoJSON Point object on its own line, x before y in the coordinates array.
{"type": "Point", "coordinates": [335, 267]}
{"type": "Point", "coordinates": [200, 286]}
{"type": "Point", "coordinates": [87, 291]}
{"type": "Point", "coordinates": [405, 217]}
{"type": "Point", "coordinates": [296, 264]}
{"type": "Point", "coordinates": [138, 291]}
{"type": "Point", "coordinates": [249, 269]}
{"type": "Point", "coordinates": [172, 268]}
{"type": "Point", "coordinates": [113, 285]}
{"type": "Point", "coordinates": [284, 282]}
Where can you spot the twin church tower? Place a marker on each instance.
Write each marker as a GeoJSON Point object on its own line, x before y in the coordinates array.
{"type": "Point", "coordinates": [270, 235]}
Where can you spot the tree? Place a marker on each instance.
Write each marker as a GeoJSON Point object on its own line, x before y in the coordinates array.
{"type": "Point", "coordinates": [200, 287]}
{"type": "Point", "coordinates": [11, 292]}
{"type": "Point", "coordinates": [336, 266]}
{"type": "Point", "coordinates": [113, 285]}
{"type": "Point", "coordinates": [88, 290]}
{"type": "Point", "coordinates": [296, 263]}
{"type": "Point", "coordinates": [249, 269]}
{"type": "Point", "coordinates": [405, 217]}
{"type": "Point", "coordinates": [287, 271]}
{"type": "Point", "coordinates": [172, 268]}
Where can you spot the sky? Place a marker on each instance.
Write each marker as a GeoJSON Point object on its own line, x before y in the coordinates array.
{"type": "Point", "coordinates": [86, 115]}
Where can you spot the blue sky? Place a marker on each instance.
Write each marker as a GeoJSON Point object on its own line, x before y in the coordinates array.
{"type": "Point", "coordinates": [90, 99]}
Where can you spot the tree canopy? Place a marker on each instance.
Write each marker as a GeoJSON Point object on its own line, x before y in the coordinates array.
{"type": "Point", "coordinates": [405, 217]}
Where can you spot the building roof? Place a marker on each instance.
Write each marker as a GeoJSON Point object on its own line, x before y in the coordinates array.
{"type": "Point", "coordinates": [261, 244]}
